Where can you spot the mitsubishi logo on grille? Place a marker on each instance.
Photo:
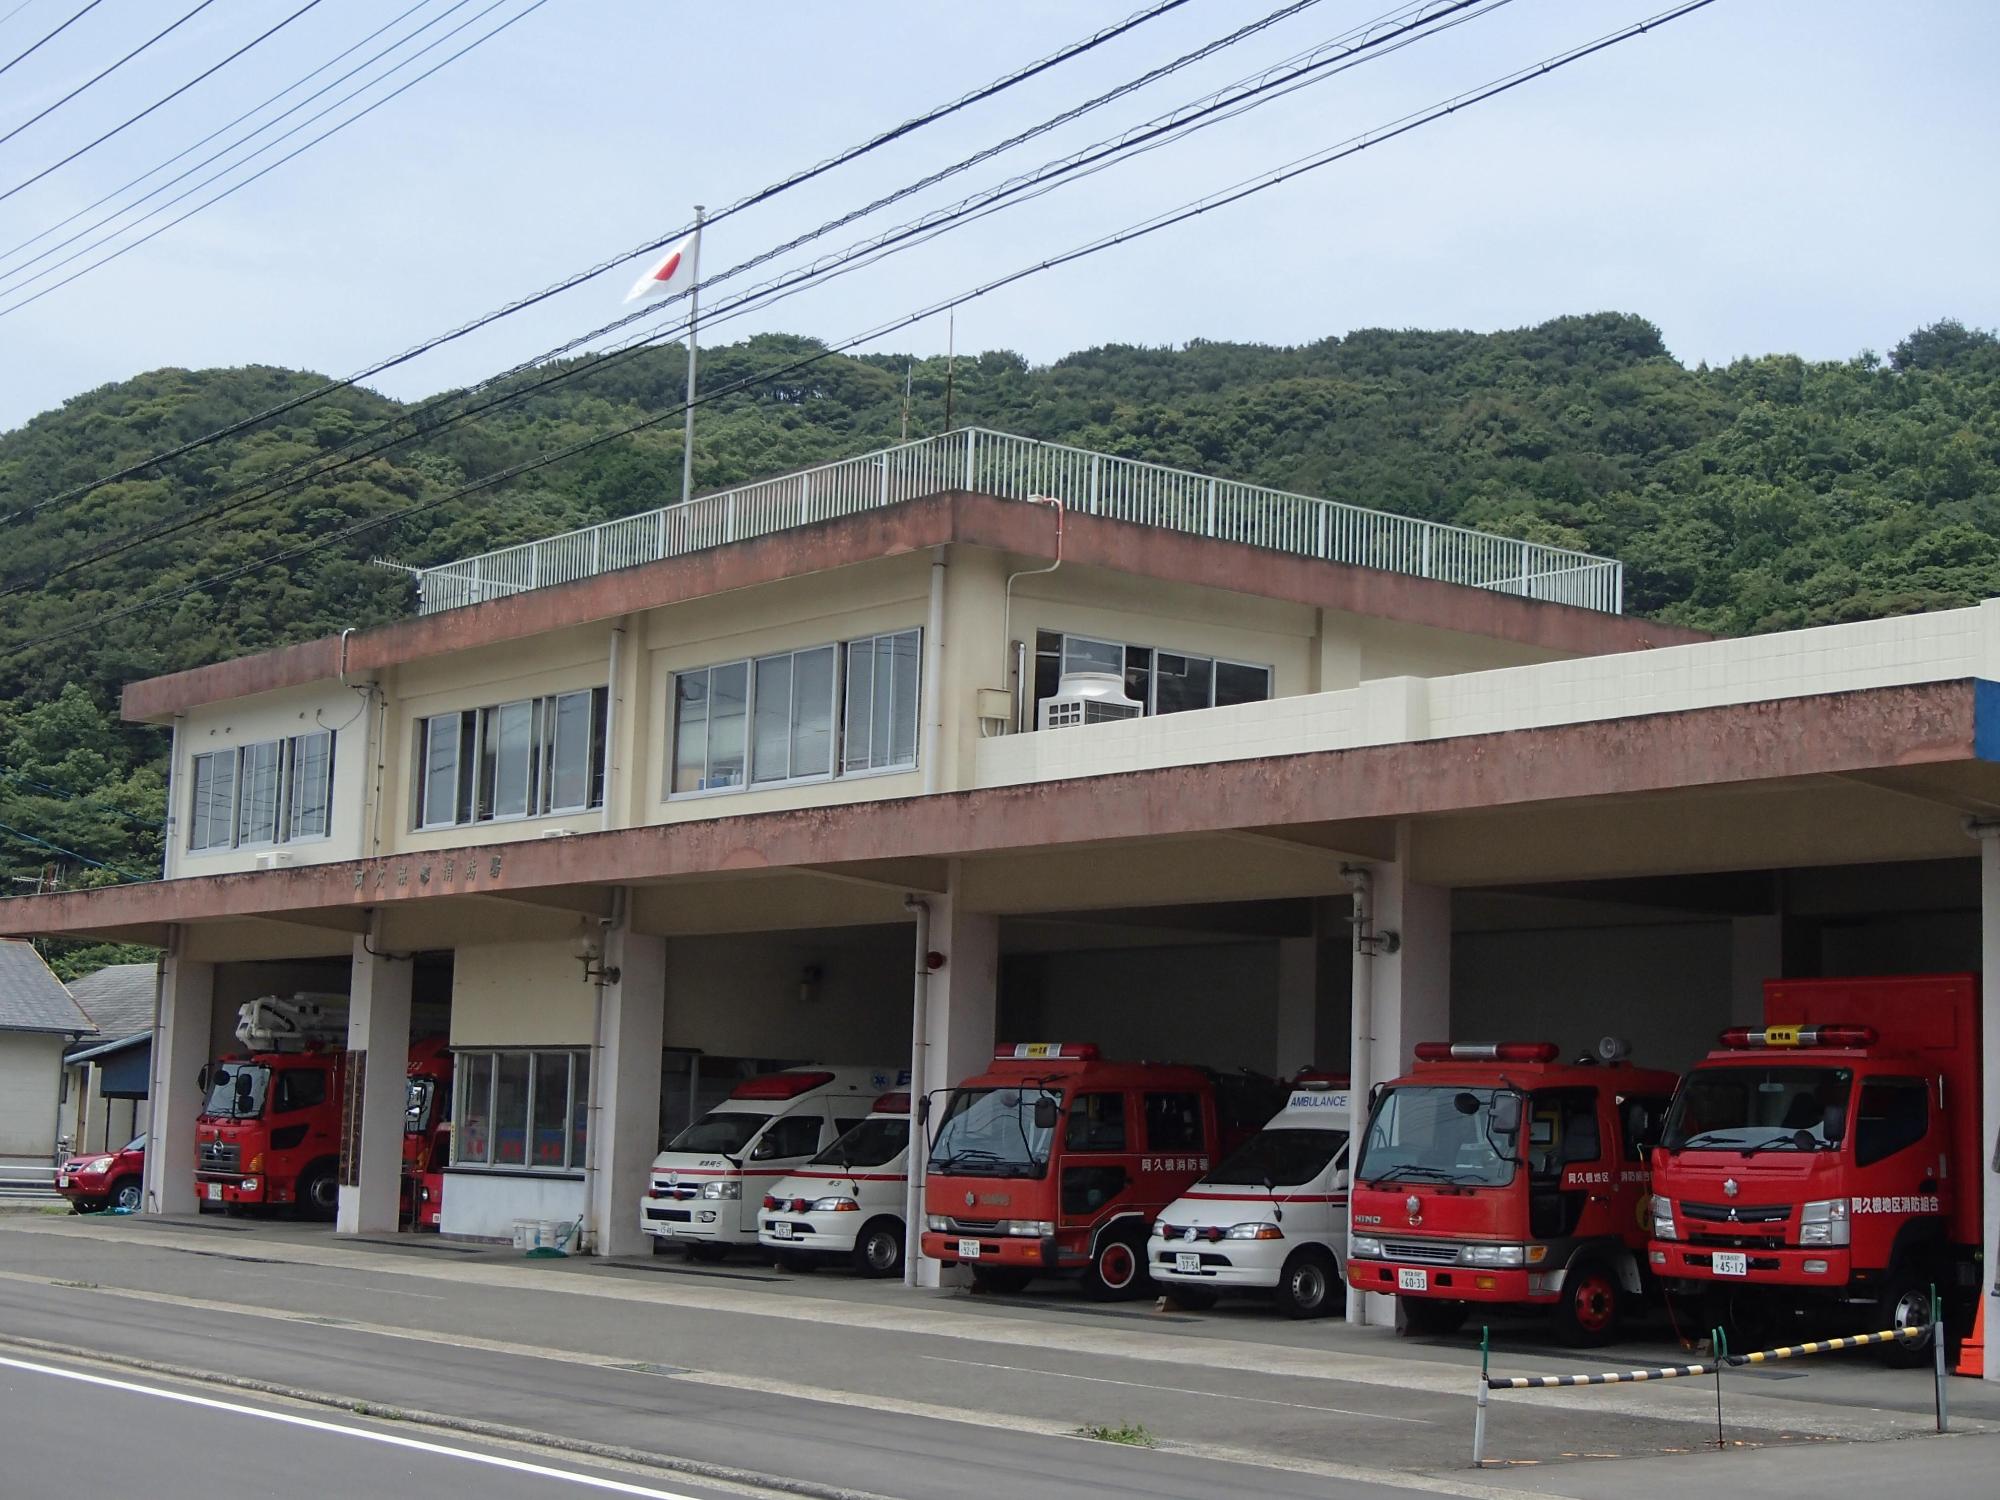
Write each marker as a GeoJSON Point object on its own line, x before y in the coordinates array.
{"type": "Point", "coordinates": [1732, 1215]}
{"type": "Point", "coordinates": [1730, 1187]}
{"type": "Point", "coordinates": [969, 1199]}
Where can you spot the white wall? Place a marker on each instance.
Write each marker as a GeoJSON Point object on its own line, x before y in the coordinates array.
{"type": "Point", "coordinates": [521, 995]}
{"type": "Point", "coordinates": [483, 1206]}
{"type": "Point", "coordinates": [30, 1082]}
{"type": "Point", "coordinates": [739, 996]}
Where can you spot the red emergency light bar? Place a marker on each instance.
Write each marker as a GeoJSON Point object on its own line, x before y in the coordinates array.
{"type": "Point", "coordinates": [1312, 1078]}
{"type": "Point", "coordinates": [780, 1085]}
{"type": "Point", "coordinates": [1799, 1036]}
{"type": "Point", "coordinates": [1519, 1052]}
{"type": "Point", "coordinates": [891, 1104]}
{"type": "Point", "coordinates": [1026, 1051]}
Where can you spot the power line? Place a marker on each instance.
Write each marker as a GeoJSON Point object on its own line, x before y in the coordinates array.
{"type": "Point", "coordinates": [132, 120]}
{"type": "Point", "coordinates": [70, 794]}
{"type": "Point", "coordinates": [762, 195]}
{"type": "Point", "coordinates": [1220, 104]}
{"type": "Point", "coordinates": [30, 838]}
{"type": "Point", "coordinates": [50, 37]}
{"type": "Point", "coordinates": [157, 36]}
{"type": "Point", "coordinates": [264, 171]}
{"type": "Point", "coordinates": [1222, 198]}
{"type": "Point", "coordinates": [220, 130]}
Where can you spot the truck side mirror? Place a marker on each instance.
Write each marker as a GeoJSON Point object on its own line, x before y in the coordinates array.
{"type": "Point", "coordinates": [1046, 1113]}
{"type": "Point", "coordinates": [1835, 1122]}
{"type": "Point", "coordinates": [201, 1078]}
{"type": "Point", "coordinates": [1506, 1113]}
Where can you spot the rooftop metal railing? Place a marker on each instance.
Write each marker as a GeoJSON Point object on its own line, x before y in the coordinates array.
{"type": "Point", "coordinates": [982, 461]}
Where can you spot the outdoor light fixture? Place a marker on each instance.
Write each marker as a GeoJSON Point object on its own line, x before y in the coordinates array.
{"type": "Point", "coordinates": [590, 953]}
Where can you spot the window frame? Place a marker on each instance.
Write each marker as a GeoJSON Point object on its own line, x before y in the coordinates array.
{"type": "Point", "coordinates": [574, 1123]}
{"type": "Point", "coordinates": [1149, 698]}
{"type": "Point", "coordinates": [473, 794]}
{"type": "Point", "coordinates": [285, 751]}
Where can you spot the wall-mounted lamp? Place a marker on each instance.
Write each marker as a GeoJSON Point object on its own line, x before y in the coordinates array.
{"type": "Point", "coordinates": [590, 953]}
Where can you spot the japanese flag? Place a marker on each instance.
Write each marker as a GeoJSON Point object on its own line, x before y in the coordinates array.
{"type": "Point", "coordinates": [673, 272]}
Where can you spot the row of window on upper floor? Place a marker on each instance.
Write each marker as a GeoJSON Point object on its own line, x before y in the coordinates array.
{"type": "Point", "coordinates": [848, 708]}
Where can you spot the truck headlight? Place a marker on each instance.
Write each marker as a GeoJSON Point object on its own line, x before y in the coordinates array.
{"type": "Point", "coordinates": [1025, 1229]}
{"type": "Point", "coordinates": [1364, 1247]}
{"type": "Point", "coordinates": [722, 1190]}
{"type": "Point", "coordinates": [1663, 1219]}
{"type": "Point", "coordinates": [1253, 1232]}
{"type": "Point", "coordinates": [1491, 1255]}
{"type": "Point", "coordinates": [835, 1206]}
{"type": "Point", "coordinates": [1824, 1222]}
{"type": "Point", "coordinates": [937, 1223]}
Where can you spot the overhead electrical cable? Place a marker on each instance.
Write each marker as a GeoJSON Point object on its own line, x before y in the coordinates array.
{"type": "Point", "coordinates": [1181, 121]}
{"type": "Point", "coordinates": [30, 838]}
{"type": "Point", "coordinates": [219, 130]}
{"type": "Point", "coordinates": [1222, 198]}
{"type": "Point", "coordinates": [762, 195]}
{"type": "Point", "coordinates": [23, 56]}
{"type": "Point", "coordinates": [70, 794]}
{"type": "Point", "coordinates": [238, 186]}
{"type": "Point", "coordinates": [90, 82]}
{"type": "Point", "coordinates": [166, 99]}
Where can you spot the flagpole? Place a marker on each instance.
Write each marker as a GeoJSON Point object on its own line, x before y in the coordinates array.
{"type": "Point", "coordinates": [694, 319]}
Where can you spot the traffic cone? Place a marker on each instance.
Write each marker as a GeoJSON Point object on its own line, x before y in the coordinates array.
{"type": "Point", "coordinates": [1972, 1353]}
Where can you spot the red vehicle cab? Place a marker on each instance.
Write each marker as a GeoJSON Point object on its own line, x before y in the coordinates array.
{"type": "Point", "coordinates": [426, 1131]}
{"type": "Point", "coordinates": [108, 1179]}
{"type": "Point", "coordinates": [269, 1132]}
{"type": "Point", "coordinates": [1495, 1173]}
{"type": "Point", "coordinates": [1055, 1161]}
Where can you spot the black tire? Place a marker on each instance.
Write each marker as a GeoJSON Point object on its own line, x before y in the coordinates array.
{"type": "Point", "coordinates": [878, 1249]}
{"type": "Point", "coordinates": [708, 1255]}
{"type": "Point", "coordinates": [1189, 1298]}
{"type": "Point", "coordinates": [127, 1194]}
{"type": "Point", "coordinates": [1310, 1286]}
{"type": "Point", "coordinates": [1117, 1272]}
{"type": "Point", "coordinates": [1429, 1318]}
{"type": "Point", "coordinates": [1586, 1314]}
{"type": "Point", "coordinates": [1905, 1303]}
{"type": "Point", "coordinates": [319, 1193]}
{"type": "Point", "coordinates": [1001, 1279]}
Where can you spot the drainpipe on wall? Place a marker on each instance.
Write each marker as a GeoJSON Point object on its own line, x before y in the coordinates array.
{"type": "Point", "coordinates": [594, 1093]}
{"type": "Point", "coordinates": [1361, 1051]}
{"type": "Point", "coordinates": [933, 670]}
{"type": "Point", "coordinates": [609, 817]}
{"type": "Point", "coordinates": [913, 1204]}
{"type": "Point", "coordinates": [150, 1175]}
{"type": "Point", "coordinates": [1016, 651]}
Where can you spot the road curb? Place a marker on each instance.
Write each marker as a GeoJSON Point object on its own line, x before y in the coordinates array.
{"type": "Point", "coordinates": [464, 1426]}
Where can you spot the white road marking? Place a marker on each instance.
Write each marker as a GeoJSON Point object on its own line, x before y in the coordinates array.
{"type": "Point", "coordinates": [1179, 1390]}
{"type": "Point", "coordinates": [389, 1439]}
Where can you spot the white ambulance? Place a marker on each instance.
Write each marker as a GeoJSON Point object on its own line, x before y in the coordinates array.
{"type": "Point", "coordinates": [1272, 1217]}
{"type": "Point", "coordinates": [706, 1188]}
{"type": "Point", "coordinates": [847, 1203]}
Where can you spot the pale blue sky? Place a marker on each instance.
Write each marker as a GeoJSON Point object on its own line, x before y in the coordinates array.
{"type": "Point", "coordinates": [1799, 175]}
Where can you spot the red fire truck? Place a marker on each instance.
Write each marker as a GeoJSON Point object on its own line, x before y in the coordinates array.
{"type": "Point", "coordinates": [1496, 1173]}
{"type": "Point", "coordinates": [1830, 1157]}
{"type": "Point", "coordinates": [1054, 1161]}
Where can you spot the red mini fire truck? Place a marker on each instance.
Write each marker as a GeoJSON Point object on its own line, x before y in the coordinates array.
{"type": "Point", "coordinates": [1055, 1161]}
{"type": "Point", "coordinates": [1829, 1157]}
{"type": "Point", "coordinates": [1495, 1173]}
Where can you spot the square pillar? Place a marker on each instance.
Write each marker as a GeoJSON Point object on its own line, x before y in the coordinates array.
{"type": "Point", "coordinates": [625, 1090]}
{"type": "Point", "coordinates": [1988, 1167]}
{"type": "Point", "coordinates": [955, 1038]}
{"type": "Point", "coordinates": [180, 1052]}
{"type": "Point", "coordinates": [378, 1050]}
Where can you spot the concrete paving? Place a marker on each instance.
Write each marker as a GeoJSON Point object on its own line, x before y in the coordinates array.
{"type": "Point", "coordinates": [734, 1362]}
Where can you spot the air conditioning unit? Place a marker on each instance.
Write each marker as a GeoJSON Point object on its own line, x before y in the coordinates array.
{"type": "Point", "coordinates": [273, 859]}
{"type": "Point", "coordinates": [1088, 698]}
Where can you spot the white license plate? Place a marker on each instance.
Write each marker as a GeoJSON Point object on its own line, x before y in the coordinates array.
{"type": "Point", "coordinates": [780, 1230]}
{"type": "Point", "coordinates": [1731, 1263]}
{"type": "Point", "coordinates": [62, 1182]}
{"type": "Point", "coordinates": [1409, 1280]}
{"type": "Point", "coordinates": [1187, 1260]}
{"type": "Point", "coordinates": [968, 1249]}
{"type": "Point", "coordinates": [214, 1191]}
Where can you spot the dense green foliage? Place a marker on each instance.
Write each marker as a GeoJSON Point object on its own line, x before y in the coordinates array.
{"type": "Point", "coordinates": [1769, 494]}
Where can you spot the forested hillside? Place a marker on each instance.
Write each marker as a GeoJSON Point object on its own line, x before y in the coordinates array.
{"type": "Point", "coordinates": [1767, 494]}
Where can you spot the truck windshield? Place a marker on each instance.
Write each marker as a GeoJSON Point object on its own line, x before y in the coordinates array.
{"type": "Point", "coordinates": [722, 1132]}
{"type": "Point", "coordinates": [992, 1133]}
{"type": "Point", "coordinates": [1756, 1109]}
{"type": "Point", "coordinates": [869, 1144]}
{"type": "Point", "coordinates": [1281, 1158]}
{"type": "Point", "coordinates": [417, 1108]}
{"type": "Point", "coordinates": [236, 1090]}
{"type": "Point", "coordinates": [1437, 1133]}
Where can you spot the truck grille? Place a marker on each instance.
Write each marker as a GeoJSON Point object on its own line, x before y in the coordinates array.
{"type": "Point", "coordinates": [1424, 1252]}
{"type": "Point", "coordinates": [969, 1226]}
{"type": "Point", "coordinates": [1738, 1213]}
{"type": "Point", "coordinates": [220, 1156]}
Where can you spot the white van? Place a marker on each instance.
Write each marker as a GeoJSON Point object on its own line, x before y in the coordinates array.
{"type": "Point", "coordinates": [1272, 1217]}
{"type": "Point", "coordinates": [846, 1203]}
{"type": "Point", "coordinates": [707, 1186]}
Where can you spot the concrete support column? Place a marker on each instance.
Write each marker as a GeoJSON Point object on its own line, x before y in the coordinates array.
{"type": "Point", "coordinates": [1988, 1167]}
{"type": "Point", "coordinates": [1401, 997]}
{"type": "Point", "coordinates": [1298, 1005]}
{"type": "Point", "coordinates": [960, 1007]}
{"type": "Point", "coordinates": [625, 1131]}
{"type": "Point", "coordinates": [378, 1049]}
{"type": "Point", "coordinates": [180, 1052]}
{"type": "Point", "coordinates": [1756, 953]}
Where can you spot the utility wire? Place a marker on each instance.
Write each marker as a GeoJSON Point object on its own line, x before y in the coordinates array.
{"type": "Point", "coordinates": [1223, 198]}
{"type": "Point", "coordinates": [222, 129]}
{"type": "Point", "coordinates": [157, 36]}
{"type": "Point", "coordinates": [1178, 123]}
{"type": "Point", "coordinates": [132, 120]}
{"type": "Point", "coordinates": [239, 185]}
{"type": "Point", "coordinates": [762, 195]}
{"type": "Point", "coordinates": [30, 838]}
{"type": "Point", "coordinates": [70, 794]}
{"type": "Point", "coordinates": [50, 37]}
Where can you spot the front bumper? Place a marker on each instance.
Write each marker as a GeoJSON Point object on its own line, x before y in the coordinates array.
{"type": "Point", "coordinates": [1010, 1251]}
{"type": "Point", "coordinates": [1765, 1265]}
{"type": "Point", "coordinates": [824, 1233]}
{"type": "Point", "coordinates": [1253, 1265]}
{"type": "Point", "coordinates": [81, 1190]}
{"type": "Point", "coordinates": [694, 1221]}
{"type": "Point", "coordinates": [219, 1187]}
{"type": "Point", "coordinates": [1457, 1283]}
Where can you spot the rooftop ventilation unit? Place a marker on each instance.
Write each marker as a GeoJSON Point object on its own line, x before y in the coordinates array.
{"type": "Point", "coordinates": [1088, 698]}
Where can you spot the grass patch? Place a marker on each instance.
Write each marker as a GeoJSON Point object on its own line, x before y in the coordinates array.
{"type": "Point", "coordinates": [1131, 1434]}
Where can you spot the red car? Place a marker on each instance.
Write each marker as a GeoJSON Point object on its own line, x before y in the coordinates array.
{"type": "Point", "coordinates": [109, 1180]}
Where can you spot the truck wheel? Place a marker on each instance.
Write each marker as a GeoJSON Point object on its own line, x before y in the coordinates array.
{"type": "Point", "coordinates": [1310, 1285]}
{"type": "Point", "coordinates": [1431, 1318]}
{"type": "Point", "coordinates": [1905, 1303]}
{"type": "Point", "coordinates": [319, 1193]}
{"type": "Point", "coordinates": [878, 1249]}
{"type": "Point", "coordinates": [1586, 1314]}
{"type": "Point", "coordinates": [999, 1279]}
{"type": "Point", "coordinates": [126, 1194]}
{"type": "Point", "coordinates": [1117, 1271]}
